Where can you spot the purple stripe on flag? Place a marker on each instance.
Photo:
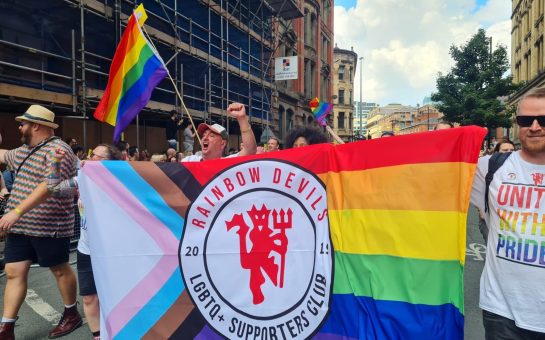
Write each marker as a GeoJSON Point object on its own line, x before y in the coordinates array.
{"type": "Point", "coordinates": [138, 95]}
{"type": "Point", "coordinates": [329, 336]}
{"type": "Point", "coordinates": [207, 334]}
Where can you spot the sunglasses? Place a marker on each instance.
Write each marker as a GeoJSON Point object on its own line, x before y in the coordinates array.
{"type": "Point", "coordinates": [95, 155]}
{"type": "Point", "coordinates": [527, 121]}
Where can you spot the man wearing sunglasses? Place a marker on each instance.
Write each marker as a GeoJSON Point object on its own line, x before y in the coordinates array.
{"type": "Point", "coordinates": [38, 226]}
{"type": "Point", "coordinates": [512, 293]}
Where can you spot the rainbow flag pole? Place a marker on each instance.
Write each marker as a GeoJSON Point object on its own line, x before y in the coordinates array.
{"type": "Point", "coordinates": [178, 94]}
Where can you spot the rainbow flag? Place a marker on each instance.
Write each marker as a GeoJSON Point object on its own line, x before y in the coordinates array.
{"type": "Point", "coordinates": [136, 70]}
{"type": "Point", "coordinates": [320, 110]}
{"type": "Point", "coordinates": [308, 242]}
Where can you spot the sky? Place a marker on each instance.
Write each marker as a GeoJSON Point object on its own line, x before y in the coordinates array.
{"type": "Point", "coordinates": [405, 43]}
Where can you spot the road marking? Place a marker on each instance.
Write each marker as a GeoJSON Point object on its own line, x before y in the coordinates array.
{"type": "Point", "coordinates": [477, 251]}
{"type": "Point", "coordinates": [42, 308]}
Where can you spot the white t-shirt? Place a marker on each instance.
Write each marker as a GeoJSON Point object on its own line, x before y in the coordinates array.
{"type": "Point", "coordinates": [513, 278]}
{"type": "Point", "coordinates": [198, 158]}
{"type": "Point", "coordinates": [83, 243]}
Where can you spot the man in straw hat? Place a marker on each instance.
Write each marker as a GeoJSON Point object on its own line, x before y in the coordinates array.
{"type": "Point", "coordinates": [38, 226]}
{"type": "Point", "coordinates": [214, 137]}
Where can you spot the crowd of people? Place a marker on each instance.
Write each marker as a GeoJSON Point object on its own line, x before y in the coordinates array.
{"type": "Point", "coordinates": [39, 215]}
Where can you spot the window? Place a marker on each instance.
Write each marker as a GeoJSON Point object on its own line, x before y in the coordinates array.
{"type": "Point", "coordinates": [313, 79]}
{"type": "Point", "coordinates": [307, 27]}
{"type": "Point", "coordinates": [350, 98]}
{"type": "Point", "coordinates": [341, 72]}
{"type": "Point", "coordinates": [325, 48]}
{"type": "Point", "coordinates": [308, 79]}
{"type": "Point", "coordinates": [341, 96]}
{"type": "Point", "coordinates": [350, 73]}
{"type": "Point", "coordinates": [340, 122]}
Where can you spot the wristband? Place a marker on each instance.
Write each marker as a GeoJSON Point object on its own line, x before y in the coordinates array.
{"type": "Point", "coordinates": [247, 130]}
{"type": "Point", "coordinates": [18, 211]}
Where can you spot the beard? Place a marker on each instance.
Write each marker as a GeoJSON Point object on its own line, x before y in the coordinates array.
{"type": "Point", "coordinates": [26, 136]}
{"type": "Point", "coordinates": [533, 145]}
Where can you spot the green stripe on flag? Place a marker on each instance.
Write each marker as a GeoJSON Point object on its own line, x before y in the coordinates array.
{"type": "Point", "coordinates": [136, 71]}
{"type": "Point", "coordinates": [384, 277]}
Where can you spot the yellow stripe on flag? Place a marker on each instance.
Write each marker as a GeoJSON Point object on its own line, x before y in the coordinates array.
{"type": "Point", "coordinates": [141, 14]}
{"type": "Point", "coordinates": [429, 187]}
{"type": "Point", "coordinates": [432, 235]}
{"type": "Point", "coordinates": [117, 84]}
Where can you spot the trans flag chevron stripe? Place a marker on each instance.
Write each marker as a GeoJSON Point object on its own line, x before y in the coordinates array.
{"type": "Point", "coordinates": [152, 200]}
{"type": "Point", "coordinates": [396, 225]}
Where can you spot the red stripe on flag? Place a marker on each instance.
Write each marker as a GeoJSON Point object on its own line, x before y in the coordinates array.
{"type": "Point", "coordinates": [119, 56]}
{"type": "Point", "coordinates": [425, 147]}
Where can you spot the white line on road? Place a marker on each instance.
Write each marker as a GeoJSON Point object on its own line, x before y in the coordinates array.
{"type": "Point", "coordinates": [41, 307]}
{"type": "Point", "coordinates": [477, 251]}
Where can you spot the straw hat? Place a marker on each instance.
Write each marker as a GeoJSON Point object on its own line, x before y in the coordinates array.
{"type": "Point", "coordinates": [39, 115]}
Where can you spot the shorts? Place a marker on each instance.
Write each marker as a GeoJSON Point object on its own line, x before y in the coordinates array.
{"type": "Point", "coordinates": [47, 251]}
{"type": "Point", "coordinates": [86, 279]}
{"type": "Point", "coordinates": [498, 327]}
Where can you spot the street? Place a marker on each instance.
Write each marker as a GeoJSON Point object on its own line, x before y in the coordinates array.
{"type": "Point", "coordinates": [42, 308]}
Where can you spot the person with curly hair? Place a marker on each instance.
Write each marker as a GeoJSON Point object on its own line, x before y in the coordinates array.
{"type": "Point", "coordinates": [303, 136]}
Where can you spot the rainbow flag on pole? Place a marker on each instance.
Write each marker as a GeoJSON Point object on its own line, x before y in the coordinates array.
{"type": "Point", "coordinates": [306, 243]}
{"type": "Point", "coordinates": [136, 70]}
{"type": "Point", "coordinates": [320, 110]}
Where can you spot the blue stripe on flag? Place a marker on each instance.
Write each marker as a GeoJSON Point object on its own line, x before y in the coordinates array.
{"type": "Point", "coordinates": [363, 317]}
{"type": "Point", "coordinates": [149, 314]}
{"type": "Point", "coordinates": [147, 195]}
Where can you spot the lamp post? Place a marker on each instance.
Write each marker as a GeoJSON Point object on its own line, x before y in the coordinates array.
{"type": "Point", "coordinates": [428, 117]}
{"type": "Point", "coordinates": [360, 111]}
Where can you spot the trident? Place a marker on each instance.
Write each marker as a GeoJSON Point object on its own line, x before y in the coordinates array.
{"type": "Point", "coordinates": [282, 224]}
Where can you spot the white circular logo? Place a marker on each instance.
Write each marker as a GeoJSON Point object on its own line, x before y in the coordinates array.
{"type": "Point", "coordinates": [256, 255]}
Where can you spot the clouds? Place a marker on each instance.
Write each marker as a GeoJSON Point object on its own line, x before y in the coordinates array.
{"type": "Point", "coordinates": [405, 43]}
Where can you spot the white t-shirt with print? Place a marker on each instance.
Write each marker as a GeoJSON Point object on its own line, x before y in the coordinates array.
{"type": "Point", "coordinates": [198, 158]}
{"type": "Point", "coordinates": [513, 278]}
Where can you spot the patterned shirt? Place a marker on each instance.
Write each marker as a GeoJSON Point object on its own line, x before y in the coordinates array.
{"type": "Point", "coordinates": [55, 216]}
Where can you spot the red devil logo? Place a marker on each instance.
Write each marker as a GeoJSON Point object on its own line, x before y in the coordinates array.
{"type": "Point", "coordinates": [538, 178]}
{"type": "Point", "coordinates": [258, 260]}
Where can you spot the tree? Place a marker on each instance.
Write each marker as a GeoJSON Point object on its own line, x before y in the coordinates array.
{"type": "Point", "coordinates": [469, 94]}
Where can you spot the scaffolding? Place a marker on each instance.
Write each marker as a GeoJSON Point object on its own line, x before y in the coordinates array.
{"type": "Point", "coordinates": [59, 52]}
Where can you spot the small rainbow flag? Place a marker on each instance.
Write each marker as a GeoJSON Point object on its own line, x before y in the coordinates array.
{"type": "Point", "coordinates": [320, 110]}
{"type": "Point", "coordinates": [135, 71]}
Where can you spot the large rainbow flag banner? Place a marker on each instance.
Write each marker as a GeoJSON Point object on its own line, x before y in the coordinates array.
{"type": "Point", "coordinates": [362, 240]}
{"type": "Point", "coordinates": [136, 70]}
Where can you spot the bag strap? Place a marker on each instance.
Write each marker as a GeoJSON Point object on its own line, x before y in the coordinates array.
{"type": "Point", "coordinates": [494, 163]}
{"type": "Point", "coordinates": [36, 148]}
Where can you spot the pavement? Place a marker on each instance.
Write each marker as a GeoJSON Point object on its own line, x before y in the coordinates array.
{"type": "Point", "coordinates": [42, 307]}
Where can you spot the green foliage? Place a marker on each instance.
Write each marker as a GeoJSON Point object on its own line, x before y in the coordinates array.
{"type": "Point", "coordinates": [469, 94]}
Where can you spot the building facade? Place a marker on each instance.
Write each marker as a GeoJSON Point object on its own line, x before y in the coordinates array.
{"type": "Point", "coordinates": [391, 118]}
{"type": "Point", "coordinates": [344, 68]}
{"type": "Point", "coordinates": [423, 119]}
{"type": "Point", "coordinates": [58, 53]}
{"type": "Point", "coordinates": [527, 50]}
{"type": "Point", "coordinates": [310, 38]}
{"type": "Point", "coordinates": [361, 113]}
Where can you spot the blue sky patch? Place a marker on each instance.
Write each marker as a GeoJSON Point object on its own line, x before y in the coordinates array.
{"type": "Point", "coordinates": [479, 4]}
{"type": "Point", "coordinates": [351, 3]}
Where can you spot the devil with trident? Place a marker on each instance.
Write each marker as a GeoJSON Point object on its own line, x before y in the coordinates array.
{"type": "Point", "coordinates": [259, 259]}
